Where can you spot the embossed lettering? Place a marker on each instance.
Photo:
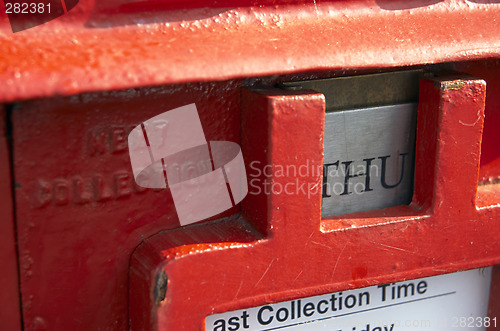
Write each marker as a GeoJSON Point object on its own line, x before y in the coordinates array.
{"type": "Point", "coordinates": [43, 194]}
{"type": "Point", "coordinates": [118, 139]}
{"type": "Point", "coordinates": [82, 190]}
{"type": "Point", "coordinates": [61, 192]}
{"type": "Point", "coordinates": [123, 185]}
{"type": "Point", "coordinates": [108, 140]}
{"type": "Point", "coordinates": [102, 191]}
{"type": "Point", "coordinates": [97, 143]}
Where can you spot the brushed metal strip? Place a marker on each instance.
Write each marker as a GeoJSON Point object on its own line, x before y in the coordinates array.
{"type": "Point", "coordinates": [368, 158]}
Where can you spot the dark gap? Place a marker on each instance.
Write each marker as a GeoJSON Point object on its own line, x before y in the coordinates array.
{"type": "Point", "coordinates": [9, 108]}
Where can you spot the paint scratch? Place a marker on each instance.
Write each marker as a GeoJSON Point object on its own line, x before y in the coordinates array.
{"type": "Point", "coordinates": [300, 273]}
{"type": "Point", "coordinates": [477, 119]}
{"type": "Point", "coordinates": [238, 292]}
{"type": "Point", "coordinates": [317, 243]}
{"type": "Point", "coordinates": [265, 272]}
{"type": "Point", "coordinates": [309, 239]}
{"type": "Point", "coordinates": [338, 259]}
{"type": "Point", "coordinates": [392, 247]}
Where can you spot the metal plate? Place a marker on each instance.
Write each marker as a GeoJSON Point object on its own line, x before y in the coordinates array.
{"type": "Point", "coordinates": [369, 157]}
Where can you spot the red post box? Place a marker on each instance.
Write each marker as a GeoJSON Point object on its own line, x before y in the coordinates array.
{"type": "Point", "coordinates": [85, 247]}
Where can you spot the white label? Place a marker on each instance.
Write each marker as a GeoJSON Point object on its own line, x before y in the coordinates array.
{"type": "Point", "coordinates": [445, 302]}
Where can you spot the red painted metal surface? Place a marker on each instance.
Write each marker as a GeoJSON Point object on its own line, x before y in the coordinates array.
{"type": "Point", "coordinates": [490, 153]}
{"type": "Point", "coordinates": [79, 214]}
{"type": "Point", "coordinates": [80, 217]}
{"type": "Point", "coordinates": [100, 46]}
{"type": "Point", "coordinates": [294, 253]}
{"type": "Point", "coordinates": [10, 316]}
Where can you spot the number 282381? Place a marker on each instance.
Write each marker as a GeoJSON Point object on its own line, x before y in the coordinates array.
{"type": "Point", "coordinates": [27, 8]}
